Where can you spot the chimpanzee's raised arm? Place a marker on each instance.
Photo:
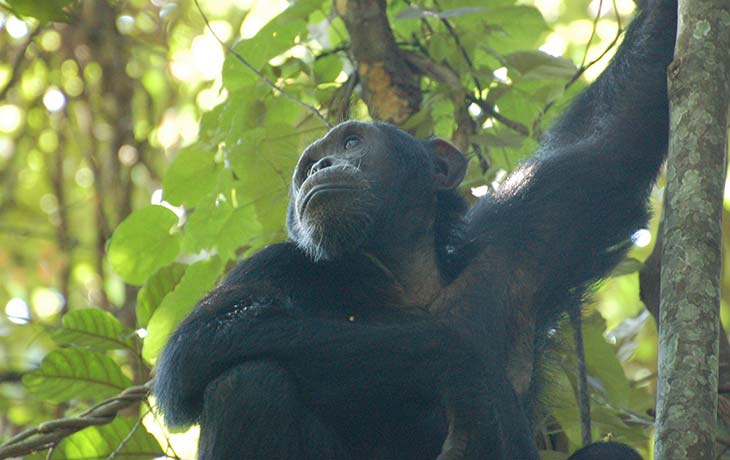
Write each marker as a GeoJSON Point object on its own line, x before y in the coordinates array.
{"type": "Point", "coordinates": [562, 220]}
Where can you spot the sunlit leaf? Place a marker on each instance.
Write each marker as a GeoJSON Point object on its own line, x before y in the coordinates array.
{"type": "Point", "coordinates": [516, 28]}
{"type": "Point", "coordinates": [198, 279]}
{"type": "Point", "coordinates": [220, 226]}
{"type": "Point", "coordinates": [76, 373]}
{"type": "Point", "coordinates": [155, 289]}
{"type": "Point", "coordinates": [603, 366]}
{"type": "Point", "coordinates": [124, 437]}
{"type": "Point", "coordinates": [42, 10]}
{"type": "Point", "coordinates": [536, 65]}
{"type": "Point", "coordinates": [327, 68]}
{"type": "Point", "coordinates": [92, 328]}
{"type": "Point", "coordinates": [273, 39]}
{"type": "Point", "coordinates": [192, 175]}
{"type": "Point", "coordinates": [143, 243]}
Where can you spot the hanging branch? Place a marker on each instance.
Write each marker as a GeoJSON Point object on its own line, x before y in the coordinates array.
{"type": "Point", "coordinates": [261, 76]}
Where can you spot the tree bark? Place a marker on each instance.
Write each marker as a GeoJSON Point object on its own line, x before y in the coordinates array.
{"type": "Point", "coordinates": [390, 88]}
{"type": "Point", "coordinates": [699, 88]}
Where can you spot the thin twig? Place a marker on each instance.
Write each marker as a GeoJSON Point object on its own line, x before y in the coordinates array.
{"type": "Point", "coordinates": [489, 110]}
{"type": "Point", "coordinates": [582, 69]}
{"type": "Point", "coordinates": [253, 69]}
{"type": "Point", "coordinates": [593, 34]}
{"type": "Point", "coordinates": [19, 59]}
{"type": "Point", "coordinates": [459, 45]}
{"type": "Point", "coordinates": [127, 438]}
{"type": "Point", "coordinates": [445, 75]}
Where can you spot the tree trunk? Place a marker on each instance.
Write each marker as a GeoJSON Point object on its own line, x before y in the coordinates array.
{"type": "Point", "coordinates": [699, 88]}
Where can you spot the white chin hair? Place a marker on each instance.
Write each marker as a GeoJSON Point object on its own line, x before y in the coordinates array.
{"type": "Point", "coordinates": [331, 241]}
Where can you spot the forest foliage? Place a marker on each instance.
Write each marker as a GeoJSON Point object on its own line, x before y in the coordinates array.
{"type": "Point", "coordinates": [140, 160]}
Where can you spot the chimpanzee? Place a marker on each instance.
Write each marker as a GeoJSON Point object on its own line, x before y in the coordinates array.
{"type": "Point", "coordinates": [397, 324]}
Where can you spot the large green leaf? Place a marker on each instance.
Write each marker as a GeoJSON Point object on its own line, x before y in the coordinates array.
{"type": "Point", "coordinates": [192, 175]}
{"type": "Point", "coordinates": [155, 289]}
{"type": "Point", "coordinates": [125, 437]}
{"type": "Point", "coordinates": [263, 160]}
{"type": "Point", "coordinates": [76, 373]}
{"type": "Point", "coordinates": [143, 243]}
{"type": "Point", "coordinates": [92, 328]}
{"type": "Point", "coordinates": [218, 224]}
{"type": "Point", "coordinates": [198, 279]}
{"type": "Point", "coordinates": [515, 28]}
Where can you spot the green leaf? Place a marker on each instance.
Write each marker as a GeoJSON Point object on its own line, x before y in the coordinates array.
{"type": "Point", "coordinates": [602, 363]}
{"type": "Point", "coordinates": [143, 243]}
{"type": "Point", "coordinates": [262, 160]}
{"type": "Point", "coordinates": [199, 278]}
{"type": "Point", "coordinates": [327, 68]}
{"type": "Point", "coordinates": [99, 442]}
{"type": "Point", "coordinates": [92, 328]}
{"type": "Point", "coordinates": [76, 373]}
{"type": "Point", "coordinates": [42, 10]}
{"type": "Point", "coordinates": [155, 289]}
{"type": "Point", "coordinates": [272, 40]}
{"type": "Point", "coordinates": [221, 226]}
{"type": "Point", "coordinates": [536, 65]}
{"type": "Point", "coordinates": [516, 28]}
{"type": "Point", "coordinates": [627, 266]}
{"type": "Point", "coordinates": [500, 138]}
{"type": "Point", "coordinates": [192, 175]}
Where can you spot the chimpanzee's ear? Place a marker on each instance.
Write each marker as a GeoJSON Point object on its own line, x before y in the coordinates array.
{"type": "Point", "coordinates": [449, 164]}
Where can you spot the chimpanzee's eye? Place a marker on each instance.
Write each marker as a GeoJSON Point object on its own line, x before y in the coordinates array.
{"type": "Point", "coordinates": [351, 142]}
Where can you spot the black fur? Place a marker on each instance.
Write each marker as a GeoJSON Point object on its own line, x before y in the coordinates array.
{"type": "Point", "coordinates": [308, 351]}
{"type": "Point", "coordinates": [606, 451]}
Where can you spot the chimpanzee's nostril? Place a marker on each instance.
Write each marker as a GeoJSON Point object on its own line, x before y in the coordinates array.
{"type": "Point", "coordinates": [325, 162]}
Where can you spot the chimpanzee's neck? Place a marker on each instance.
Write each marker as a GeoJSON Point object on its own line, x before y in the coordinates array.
{"type": "Point", "coordinates": [413, 268]}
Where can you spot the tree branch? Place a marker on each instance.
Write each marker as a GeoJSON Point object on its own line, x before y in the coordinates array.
{"type": "Point", "coordinates": [48, 434]}
{"type": "Point", "coordinates": [689, 328]}
{"type": "Point", "coordinates": [390, 88]}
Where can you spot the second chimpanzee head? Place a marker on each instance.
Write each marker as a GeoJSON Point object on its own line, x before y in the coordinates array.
{"type": "Point", "coordinates": [364, 186]}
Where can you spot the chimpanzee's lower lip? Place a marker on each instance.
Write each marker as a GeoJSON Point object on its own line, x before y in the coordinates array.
{"type": "Point", "coordinates": [322, 188]}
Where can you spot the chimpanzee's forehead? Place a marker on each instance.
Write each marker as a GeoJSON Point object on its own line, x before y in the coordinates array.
{"type": "Point", "coordinates": [384, 131]}
{"type": "Point", "coordinates": [350, 127]}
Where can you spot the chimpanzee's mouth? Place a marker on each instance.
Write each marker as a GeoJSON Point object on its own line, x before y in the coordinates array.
{"type": "Point", "coordinates": [320, 189]}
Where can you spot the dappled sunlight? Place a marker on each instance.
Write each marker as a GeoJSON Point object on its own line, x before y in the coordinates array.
{"type": "Point", "coordinates": [17, 311]}
{"type": "Point", "coordinates": [479, 191]}
{"type": "Point", "coordinates": [16, 28]}
{"type": "Point", "coordinates": [54, 100]}
{"type": "Point", "coordinates": [642, 238]}
{"type": "Point", "coordinates": [46, 303]}
{"type": "Point", "coordinates": [185, 443]}
{"type": "Point", "coordinates": [11, 118]}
